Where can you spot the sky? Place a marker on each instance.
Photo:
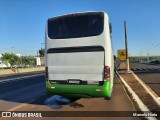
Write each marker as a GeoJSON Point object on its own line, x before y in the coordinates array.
{"type": "Point", "coordinates": [22, 23]}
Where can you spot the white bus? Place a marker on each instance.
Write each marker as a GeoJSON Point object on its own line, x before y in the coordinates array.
{"type": "Point", "coordinates": [79, 57]}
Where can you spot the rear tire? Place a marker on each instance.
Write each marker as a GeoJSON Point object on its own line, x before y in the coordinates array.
{"type": "Point", "coordinates": [107, 98]}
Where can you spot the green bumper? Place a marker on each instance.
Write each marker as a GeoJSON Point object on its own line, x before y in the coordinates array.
{"type": "Point", "coordinates": [79, 90]}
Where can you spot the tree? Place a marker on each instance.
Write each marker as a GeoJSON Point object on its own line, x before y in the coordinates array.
{"type": "Point", "coordinates": [28, 60]}
{"type": "Point", "coordinates": [12, 59]}
{"type": "Point", "coordinates": [41, 52]}
{"type": "Point", "coordinates": [32, 60]}
{"type": "Point", "coordinates": [24, 60]}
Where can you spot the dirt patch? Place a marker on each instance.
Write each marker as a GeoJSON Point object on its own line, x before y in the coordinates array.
{"type": "Point", "coordinates": [15, 71]}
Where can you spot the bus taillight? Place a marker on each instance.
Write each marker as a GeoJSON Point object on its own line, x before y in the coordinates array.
{"type": "Point", "coordinates": [106, 73]}
{"type": "Point", "coordinates": [46, 73]}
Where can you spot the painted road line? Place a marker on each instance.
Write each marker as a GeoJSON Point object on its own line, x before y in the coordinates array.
{"type": "Point", "coordinates": [23, 104]}
{"type": "Point", "coordinates": [141, 105]}
{"type": "Point", "coordinates": [20, 78]}
{"type": "Point", "coordinates": [147, 89]}
{"type": "Point", "coordinates": [17, 107]}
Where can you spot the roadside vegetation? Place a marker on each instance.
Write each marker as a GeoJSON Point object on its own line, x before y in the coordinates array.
{"type": "Point", "coordinates": [16, 61]}
{"type": "Point", "coordinates": [145, 59]}
{"type": "Point", "coordinates": [41, 52]}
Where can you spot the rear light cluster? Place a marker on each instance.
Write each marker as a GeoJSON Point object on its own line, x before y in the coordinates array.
{"type": "Point", "coordinates": [46, 73]}
{"type": "Point", "coordinates": [106, 73]}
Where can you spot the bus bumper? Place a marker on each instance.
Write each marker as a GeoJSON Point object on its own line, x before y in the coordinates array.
{"type": "Point", "coordinates": [79, 90]}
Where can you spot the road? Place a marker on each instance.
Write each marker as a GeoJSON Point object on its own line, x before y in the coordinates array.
{"type": "Point", "coordinates": [150, 74]}
{"type": "Point", "coordinates": [26, 94]}
{"type": "Point", "coordinates": [20, 89]}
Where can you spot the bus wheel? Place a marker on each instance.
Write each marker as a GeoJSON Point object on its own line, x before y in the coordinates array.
{"type": "Point", "coordinates": [107, 98]}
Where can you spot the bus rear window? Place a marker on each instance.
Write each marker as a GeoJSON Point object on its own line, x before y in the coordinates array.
{"type": "Point", "coordinates": [76, 25]}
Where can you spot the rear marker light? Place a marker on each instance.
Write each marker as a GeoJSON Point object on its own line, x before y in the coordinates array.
{"type": "Point", "coordinates": [101, 90]}
{"type": "Point", "coordinates": [51, 87]}
{"type": "Point", "coordinates": [98, 90]}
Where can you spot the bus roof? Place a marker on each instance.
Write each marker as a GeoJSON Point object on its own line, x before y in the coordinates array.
{"type": "Point", "coordinates": [76, 13]}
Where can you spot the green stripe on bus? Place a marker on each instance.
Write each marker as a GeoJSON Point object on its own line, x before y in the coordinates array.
{"type": "Point", "coordinates": [79, 90]}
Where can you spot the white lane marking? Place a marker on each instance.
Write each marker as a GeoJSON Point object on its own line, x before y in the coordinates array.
{"type": "Point", "coordinates": [141, 105]}
{"type": "Point", "coordinates": [23, 104]}
{"type": "Point", "coordinates": [17, 107]}
{"type": "Point", "coordinates": [147, 89]}
{"type": "Point", "coordinates": [20, 78]}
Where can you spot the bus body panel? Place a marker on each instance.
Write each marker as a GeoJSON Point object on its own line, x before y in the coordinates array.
{"type": "Point", "coordinates": [85, 66]}
{"type": "Point", "coordinates": [82, 65]}
{"type": "Point", "coordinates": [79, 90]}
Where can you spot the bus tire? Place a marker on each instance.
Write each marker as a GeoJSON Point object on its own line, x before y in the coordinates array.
{"type": "Point", "coordinates": [107, 98]}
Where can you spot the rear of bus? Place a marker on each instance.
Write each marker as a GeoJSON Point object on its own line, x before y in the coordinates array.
{"type": "Point", "coordinates": [79, 60]}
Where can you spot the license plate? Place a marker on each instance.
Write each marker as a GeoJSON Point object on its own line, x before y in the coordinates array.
{"type": "Point", "coordinates": [74, 81]}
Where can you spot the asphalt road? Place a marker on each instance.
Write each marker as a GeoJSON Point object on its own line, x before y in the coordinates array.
{"type": "Point", "coordinates": [150, 74]}
{"type": "Point", "coordinates": [21, 89]}
{"type": "Point", "coordinates": [12, 76]}
{"type": "Point", "coordinates": [27, 94]}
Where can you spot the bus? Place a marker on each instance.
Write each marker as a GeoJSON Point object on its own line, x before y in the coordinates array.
{"type": "Point", "coordinates": [79, 57]}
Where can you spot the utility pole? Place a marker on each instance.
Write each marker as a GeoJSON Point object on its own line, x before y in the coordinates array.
{"type": "Point", "coordinates": [139, 57]}
{"type": "Point", "coordinates": [126, 46]}
{"type": "Point", "coordinates": [148, 55]}
{"type": "Point", "coordinates": [37, 53]}
{"type": "Point", "coordinates": [41, 45]}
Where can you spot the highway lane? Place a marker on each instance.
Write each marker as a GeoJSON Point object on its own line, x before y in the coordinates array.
{"type": "Point", "coordinates": [2, 77]}
{"type": "Point", "coordinates": [21, 90]}
{"type": "Point", "coordinates": [144, 67]}
{"type": "Point", "coordinates": [149, 74]}
{"type": "Point", "coordinates": [28, 94]}
{"type": "Point", "coordinates": [119, 102]}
